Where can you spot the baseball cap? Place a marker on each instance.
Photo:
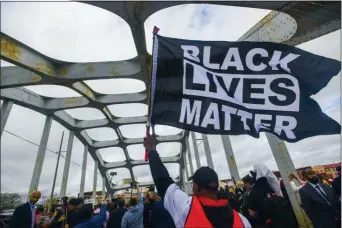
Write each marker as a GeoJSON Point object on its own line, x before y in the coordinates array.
{"type": "Point", "coordinates": [205, 177]}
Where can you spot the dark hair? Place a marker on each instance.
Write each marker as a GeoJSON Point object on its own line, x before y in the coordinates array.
{"type": "Point", "coordinates": [305, 172]}
{"type": "Point", "coordinates": [133, 202]}
{"type": "Point", "coordinates": [338, 169]}
{"type": "Point", "coordinates": [85, 212]}
{"type": "Point", "coordinates": [151, 188]}
{"type": "Point", "coordinates": [319, 176]}
{"type": "Point", "coordinates": [121, 202]}
{"type": "Point", "coordinates": [80, 201]}
{"type": "Point", "coordinates": [253, 175]}
{"type": "Point", "coordinates": [248, 179]}
{"type": "Point", "coordinates": [74, 201]}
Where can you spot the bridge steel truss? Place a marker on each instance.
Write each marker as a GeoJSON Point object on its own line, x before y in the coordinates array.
{"type": "Point", "coordinates": [308, 20]}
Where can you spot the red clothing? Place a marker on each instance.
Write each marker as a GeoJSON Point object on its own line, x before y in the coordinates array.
{"type": "Point", "coordinates": [198, 218]}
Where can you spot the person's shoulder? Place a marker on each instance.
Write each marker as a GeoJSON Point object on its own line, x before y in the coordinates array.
{"type": "Point", "coordinates": [338, 178]}
{"type": "Point", "coordinates": [304, 188]}
{"type": "Point", "coordinates": [326, 186]}
{"type": "Point", "coordinates": [21, 206]}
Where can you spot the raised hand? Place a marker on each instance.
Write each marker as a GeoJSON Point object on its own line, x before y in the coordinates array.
{"type": "Point", "coordinates": [149, 144]}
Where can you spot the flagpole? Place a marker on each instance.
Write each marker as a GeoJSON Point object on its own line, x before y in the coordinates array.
{"type": "Point", "coordinates": [151, 91]}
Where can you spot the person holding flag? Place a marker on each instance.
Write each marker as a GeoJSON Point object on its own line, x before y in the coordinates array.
{"type": "Point", "coordinates": [205, 208]}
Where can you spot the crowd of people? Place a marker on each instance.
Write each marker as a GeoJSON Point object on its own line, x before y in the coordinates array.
{"type": "Point", "coordinates": [259, 201]}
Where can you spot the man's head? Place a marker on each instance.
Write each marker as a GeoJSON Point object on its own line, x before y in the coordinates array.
{"type": "Point", "coordinates": [85, 211]}
{"type": "Point", "coordinates": [310, 175]}
{"type": "Point", "coordinates": [248, 181]}
{"type": "Point", "coordinates": [80, 202]}
{"type": "Point", "coordinates": [205, 182]}
{"type": "Point", "coordinates": [73, 204]}
{"type": "Point", "coordinates": [133, 201]}
{"type": "Point", "coordinates": [120, 202]}
{"type": "Point", "coordinates": [34, 197]}
{"type": "Point", "coordinates": [151, 188]}
{"type": "Point", "coordinates": [292, 177]}
{"type": "Point", "coordinates": [253, 174]}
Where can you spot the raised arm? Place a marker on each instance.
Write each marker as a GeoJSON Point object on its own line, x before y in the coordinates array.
{"type": "Point", "coordinates": [159, 172]}
{"type": "Point", "coordinates": [141, 196]}
{"type": "Point", "coordinates": [176, 201]}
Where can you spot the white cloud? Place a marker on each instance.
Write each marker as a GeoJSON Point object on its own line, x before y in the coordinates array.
{"type": "Point", "coordinates": [62, 31]}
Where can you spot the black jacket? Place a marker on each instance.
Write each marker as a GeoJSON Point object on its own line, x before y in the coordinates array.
{"type": "Point", "coordinates": [321, 214]}
{"type": "Point", "coordinates": [115, 218]}
{"type": "Point", "coordinates": [22, 217]}
{"type": "Point", "coordinates": [336, 185]}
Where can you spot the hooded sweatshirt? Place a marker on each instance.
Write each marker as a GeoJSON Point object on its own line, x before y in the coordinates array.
{"type": "Point", "coordinates": [263, 171]}
{"type": "Point", "coordinates": [134, 217]}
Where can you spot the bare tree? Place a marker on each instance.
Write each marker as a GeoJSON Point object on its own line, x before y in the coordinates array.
{"type": "Point", "coordinates": [9, 201]}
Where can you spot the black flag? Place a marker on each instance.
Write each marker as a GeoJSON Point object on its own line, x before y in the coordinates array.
{"type": "Point", "coordinates": [239, 88]}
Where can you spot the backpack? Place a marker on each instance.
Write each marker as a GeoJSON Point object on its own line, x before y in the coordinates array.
{"type": "Point", "coordinates": [279, 212]}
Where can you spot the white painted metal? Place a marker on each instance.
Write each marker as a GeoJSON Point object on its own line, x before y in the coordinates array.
{"type": "Point", "coordinates": [188, 151]}
{"type": "Point", "coordinates": [228, 150]}
{"type": "Point", "coordinates": [207, 151]}
{"type": "Point", "coordinates": [5, 111]}
{"type": "Point", "coordinates": [67, 164]}
{"type": "Point", "coordinates": [95, 180]}
{"type": "Point", "coordinates": [40, 155]}
{"type": "Point", "coordinates": [84, 168]}
{"type": "Point", "coordinates": [196, 154]}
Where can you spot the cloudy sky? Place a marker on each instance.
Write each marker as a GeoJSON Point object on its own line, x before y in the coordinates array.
{"type": "Point", "coordinates": [81, 33]}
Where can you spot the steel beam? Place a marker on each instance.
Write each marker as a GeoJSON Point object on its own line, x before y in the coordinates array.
{"type": "Point", "coordinates": [207, 151]}
{"type": "Point", "coordinates": [6, 108]}
{"type": "Point", "coordinates": [95, 180]}
{"type": "Point", "coordinates": [286, 167]}
{"type": "Point", "coordinates": [228, 151]}
{"type": "Point", "coordinates": [314, 19]}
{"type": "Point", "coordinates": [187, 143]}
{"type": "Point", "coordinates": [67, 164]}
{"type": "Point", "coordinates": [103, 188]}
{"type": "Point", "coordinates": [196, 154]}
{"type": "Point", "coordinates": [186, 182]}
{"type": "Point", "coordinates": [40, 155]}
{"type": "Point", "coordinates": [84, 169]}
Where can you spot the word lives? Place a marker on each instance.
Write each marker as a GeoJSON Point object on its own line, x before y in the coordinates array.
{"type": "Point", "coordinates": [245, 96]}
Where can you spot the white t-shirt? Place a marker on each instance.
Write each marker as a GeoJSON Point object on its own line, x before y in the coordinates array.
{"type": "Point", "coordinates": [178, 204]}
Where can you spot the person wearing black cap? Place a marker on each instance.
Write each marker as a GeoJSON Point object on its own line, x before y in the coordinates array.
{"type": "Point", "coordinates": [203, 209]}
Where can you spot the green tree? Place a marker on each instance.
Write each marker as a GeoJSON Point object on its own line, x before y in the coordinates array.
{"type": "Point", "coordinates": [9, 201]}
